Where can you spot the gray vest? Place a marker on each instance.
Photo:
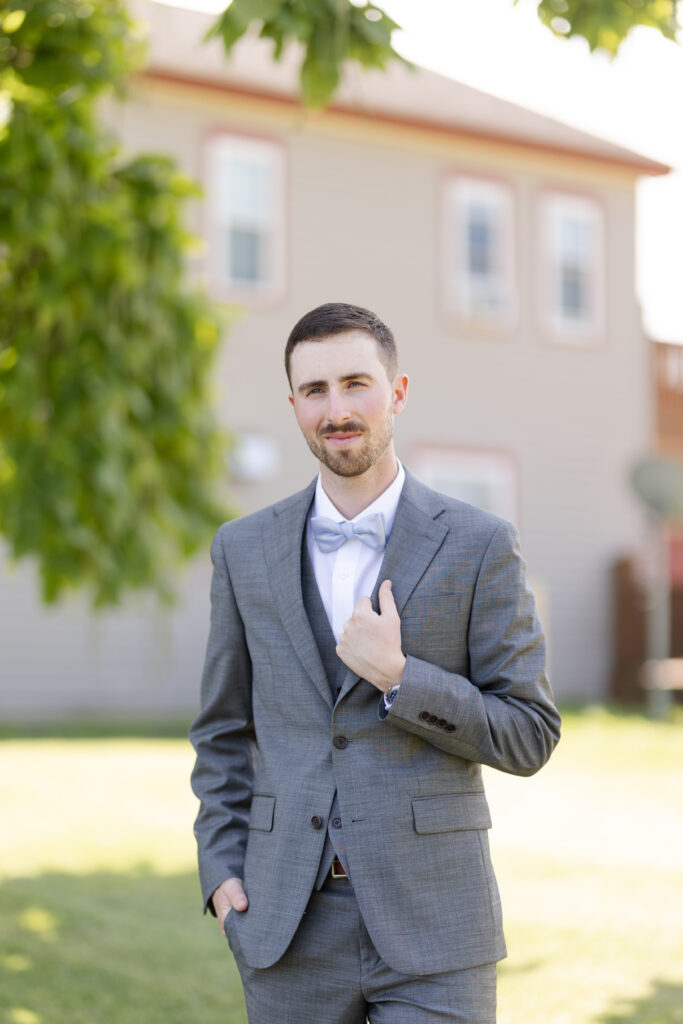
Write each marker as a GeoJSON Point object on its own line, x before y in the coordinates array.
{"type": "Point", "coordinates": [335, 671]}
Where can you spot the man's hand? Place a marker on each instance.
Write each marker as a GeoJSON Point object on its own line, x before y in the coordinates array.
{"type": "Point", "coordinates": [370, 644]}
{"type": "Point", "coordinates": [230, 895]}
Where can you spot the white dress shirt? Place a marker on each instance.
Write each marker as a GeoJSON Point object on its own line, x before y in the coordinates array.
{"type": "Point", "coordinates": [351, 571]}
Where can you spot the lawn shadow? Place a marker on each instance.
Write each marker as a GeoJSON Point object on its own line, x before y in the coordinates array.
{"type": "Point", "coordinates": [120, 948]}
{"type": "Point", "coordinates": [662, 1005]}
{"type": "Point", "coordinates": [93, 728]}
{"type": "Point", "coordinates": [510, 967]}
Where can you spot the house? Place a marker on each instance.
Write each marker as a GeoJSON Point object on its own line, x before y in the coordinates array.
{"type": "Point", "coordinates": [647, 621]}
{"type": "Point", "coordinates": [498, 245]}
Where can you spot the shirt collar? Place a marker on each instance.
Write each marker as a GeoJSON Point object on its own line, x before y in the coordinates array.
{"type": "Point", "coordinates": [386, 503]}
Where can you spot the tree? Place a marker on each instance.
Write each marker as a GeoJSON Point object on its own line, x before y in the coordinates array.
{"type": "Point", "coordinates": [109, 455]}
{"type": "Point", "coordinates": [606, 23]}
{"type": "Point", "coordinates": [333, 32]}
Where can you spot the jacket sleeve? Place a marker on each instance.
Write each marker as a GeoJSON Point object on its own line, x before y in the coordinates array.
{"type": "Point", "coordinates": [223, 737]}
{"type": "Point", "coordinates": [503, 713]}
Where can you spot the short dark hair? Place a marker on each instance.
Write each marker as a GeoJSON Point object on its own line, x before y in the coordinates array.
{"type": "Point", "coordinates": [337, 318]}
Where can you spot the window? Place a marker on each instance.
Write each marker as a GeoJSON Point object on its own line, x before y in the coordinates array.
{"type": "Point", "coordinates": [572, 278]}
{"type": "Point", "coordinates": [246, 217]}
{"type": "Point", "coordinates": [484, 478]}
{"type": "Point", "coordinates": [479, 252]}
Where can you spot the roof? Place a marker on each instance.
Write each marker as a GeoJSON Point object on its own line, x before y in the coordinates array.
{"type": "Point", "coordinates": [400, 95]}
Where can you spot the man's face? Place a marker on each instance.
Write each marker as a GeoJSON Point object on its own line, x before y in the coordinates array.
{"type": "Point", "coordinates": [344, 402]}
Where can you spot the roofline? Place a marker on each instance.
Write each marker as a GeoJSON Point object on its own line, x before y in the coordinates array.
{"type": "Point", "coordinates": [634, 162]}
{"type": "Point", "coordinates": [668, 342]}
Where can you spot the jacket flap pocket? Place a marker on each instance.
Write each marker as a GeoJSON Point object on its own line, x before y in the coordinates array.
{"type": "Point", "coordinates": [262, 810]}
{"type": "Point", "coordinates": [451, 812]}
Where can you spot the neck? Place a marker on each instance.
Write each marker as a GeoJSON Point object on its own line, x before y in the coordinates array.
{"type": "Point", "coordinates": [351, 495]}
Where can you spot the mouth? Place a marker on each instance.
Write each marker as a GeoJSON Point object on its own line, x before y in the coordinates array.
{"type": "Point", "coordinates": [342, 439]}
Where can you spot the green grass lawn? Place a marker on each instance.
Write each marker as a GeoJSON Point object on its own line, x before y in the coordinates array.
{"type": "Point", "coordinates": [100, 918]}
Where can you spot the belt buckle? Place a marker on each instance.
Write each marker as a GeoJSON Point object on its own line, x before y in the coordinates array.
{"type": "Point", "coordinates": [334, 872]}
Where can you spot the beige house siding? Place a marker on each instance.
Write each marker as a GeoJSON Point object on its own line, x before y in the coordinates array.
{"type": "Point", "coordinates": [364, 218]}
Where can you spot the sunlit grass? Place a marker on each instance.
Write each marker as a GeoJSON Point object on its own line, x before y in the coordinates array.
{"type": "Point", "coordinates": [101, 920]}
{"type": "Point", "coordinates": [589, 855]}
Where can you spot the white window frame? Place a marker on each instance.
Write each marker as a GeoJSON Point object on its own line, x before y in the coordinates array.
{"type": "Point", "coordinates": [557, 210]}
{"type": "Point", "coordinates": [222, 149]}
{"type": "Point", "coordinates": [462, 472]}
{"type": "Point", "coordinates": [488, 300]}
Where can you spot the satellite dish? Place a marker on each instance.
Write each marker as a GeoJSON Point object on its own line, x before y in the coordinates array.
{"type": "Point", "coordinates": [659, 484]}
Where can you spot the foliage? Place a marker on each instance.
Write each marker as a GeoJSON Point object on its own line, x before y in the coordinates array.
{"type": "Point", "coordinates": [108, 452]}
{"type": "Point", "coordinates": [59, 45]}
{"type": "Point", "coordinates": [331, 33]}
{"type": "Point", "coordinates": [606, 23]}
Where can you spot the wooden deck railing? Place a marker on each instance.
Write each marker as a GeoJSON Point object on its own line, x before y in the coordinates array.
{"type": "Point", "coordinates": [668, 381]}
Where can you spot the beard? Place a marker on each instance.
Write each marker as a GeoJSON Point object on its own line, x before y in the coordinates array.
{"type": "Point", "coordinates": [369, 450]}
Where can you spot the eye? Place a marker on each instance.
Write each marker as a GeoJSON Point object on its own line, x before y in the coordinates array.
{"type": "Point", "coordinates": [357, 384]}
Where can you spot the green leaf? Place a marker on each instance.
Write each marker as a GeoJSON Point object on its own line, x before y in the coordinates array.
{"type": "Point", "coordinates": [13, 21]}
{"type": "Point", "coordinates": [111, 464]}
{"type": "Point", "coordinates": [331, 33]}
{"type": "Point", "coordinates": [604, 24]}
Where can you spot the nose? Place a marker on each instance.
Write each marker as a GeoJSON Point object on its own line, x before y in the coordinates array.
{"type": "Point", "coordinates": [337, 406]}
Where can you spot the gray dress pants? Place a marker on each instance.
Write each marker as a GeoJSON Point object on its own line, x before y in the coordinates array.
{"type": "Point", "coordinates": [331, 974]}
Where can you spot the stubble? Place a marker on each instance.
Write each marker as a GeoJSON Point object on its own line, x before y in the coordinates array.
{"type": "Point", "coordinates": [347, 462]}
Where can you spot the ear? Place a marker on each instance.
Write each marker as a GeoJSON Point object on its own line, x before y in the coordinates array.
{"type": "Point", "coordinates": [291, 399]}
{"type": "Point", "coordinates": [400, 390]}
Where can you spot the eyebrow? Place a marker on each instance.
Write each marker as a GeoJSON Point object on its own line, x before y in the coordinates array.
{"type": "Point", "coordinates": [323, 383]}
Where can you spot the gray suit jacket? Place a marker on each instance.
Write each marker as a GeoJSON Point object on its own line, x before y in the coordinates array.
{"type": "Point", "coordinates": [272, 747]}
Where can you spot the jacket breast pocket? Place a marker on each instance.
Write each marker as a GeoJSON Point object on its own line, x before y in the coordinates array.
{"type": "Point", "coordinates": [451, 812]}
{"type": "Point", "coordinates": [262, 812]}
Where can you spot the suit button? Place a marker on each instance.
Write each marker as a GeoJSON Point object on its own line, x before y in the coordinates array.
{"type": "Point", "coordinates": [450, 727]}
{"type": "Point", "coordinates": [433, 719]}
{"type": "Point", "coordinates": [442, 723]}
{"type": "Point", "coordinates": [336, 823]}
{"type": "Point", "coordinates": [340, 742]}
{"type": "Point", "coordinates": [317, 821]}
{"type": "Point", "coordinates": [424, 715]}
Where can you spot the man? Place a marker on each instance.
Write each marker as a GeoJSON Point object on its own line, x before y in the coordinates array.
{"type": "Point", "coordinates": [372, 644]}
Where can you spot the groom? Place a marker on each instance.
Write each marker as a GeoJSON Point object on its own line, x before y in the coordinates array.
{"type": "Point", "coordinates": [372, 644]}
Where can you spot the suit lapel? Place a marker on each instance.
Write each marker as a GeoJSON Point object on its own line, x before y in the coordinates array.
{"type": "Point", "coordinates": [283, 537]}
{"type": "Point", "coordinates": [415, 539]}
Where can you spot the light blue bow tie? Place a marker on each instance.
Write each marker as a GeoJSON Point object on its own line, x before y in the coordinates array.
{"type": "Point", "coordinates": [330, 535]}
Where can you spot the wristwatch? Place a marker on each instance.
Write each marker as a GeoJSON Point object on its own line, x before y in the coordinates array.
{"type": "Point", "coordinates": [390, 695]}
